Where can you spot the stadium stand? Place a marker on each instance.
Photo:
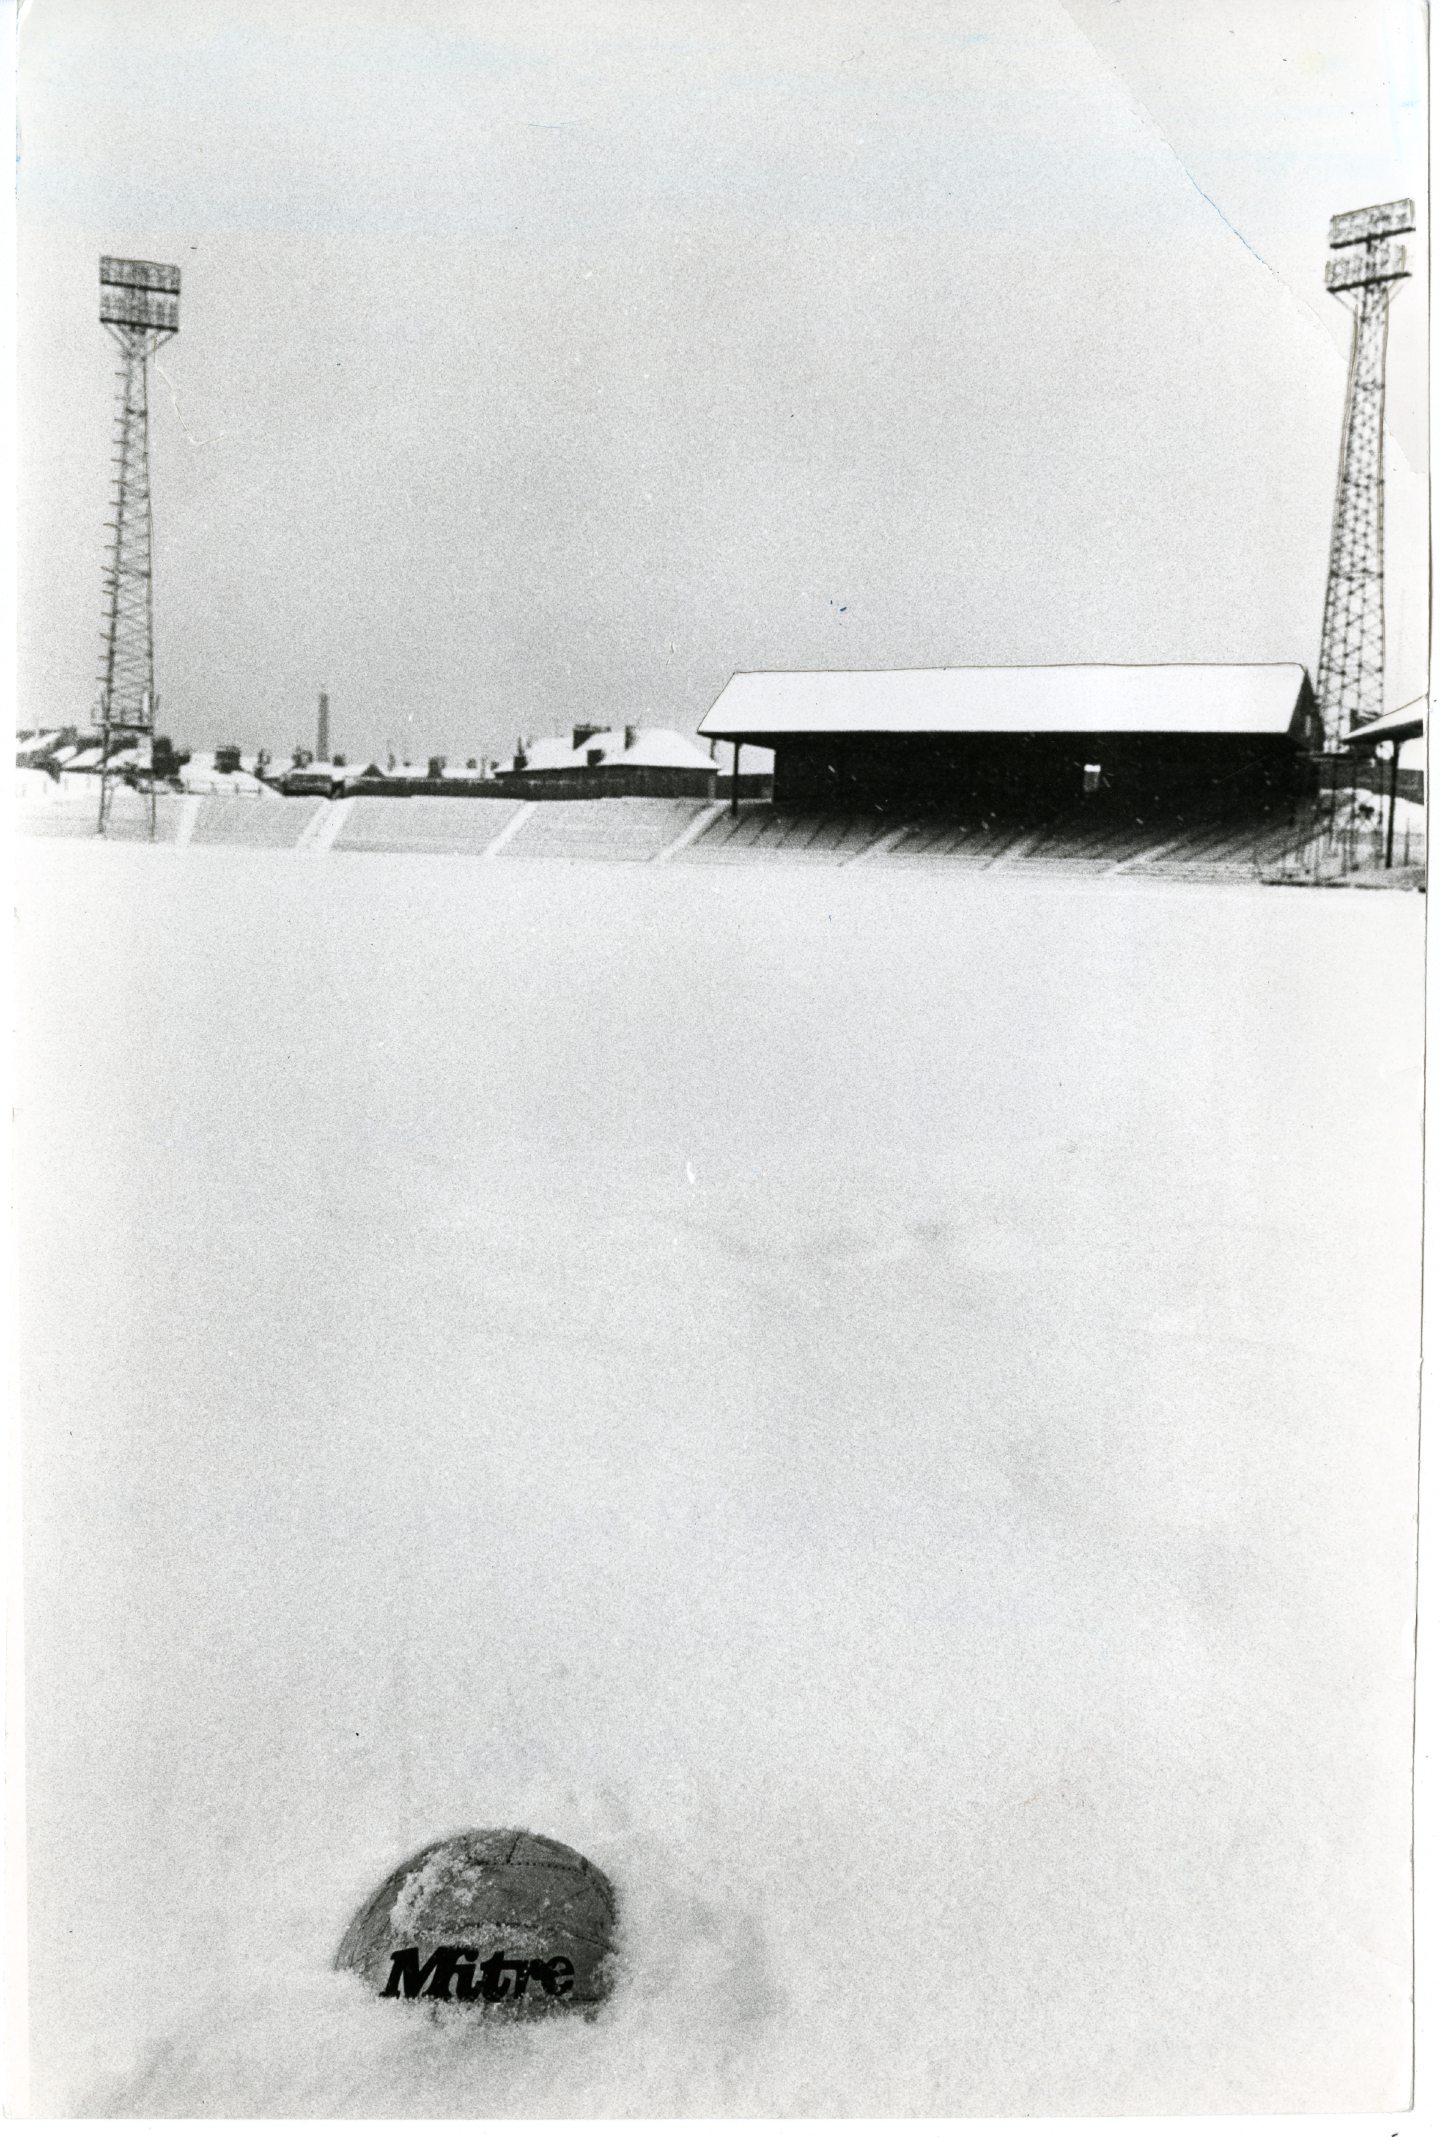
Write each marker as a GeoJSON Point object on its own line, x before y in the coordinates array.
{"type": "Point", "coordinates": [68, 807]}
{"type": "Point", "coordinates": [979, 844]}
{"type": "Point", "coordinates": [1093, 843]}
{"type": "Point", "coordinates": [133, 821]}
{"type": "Point", "coordinates": [1220, 851]}
{"type": "Point", "coordinates": [1226, 847]}
{"type": "Point", "coordinates": [423, 823]}
{"type": "Point", "coordinates": [1028, 739]}
{"type": "Point", "coordinates": [756, 832]}
{"type": "Point", "coordinates": [50, 808]}
{"type": "Point", "coordinates": [226, 820]}
{"type": "Point", "coordinates": [629, 830]}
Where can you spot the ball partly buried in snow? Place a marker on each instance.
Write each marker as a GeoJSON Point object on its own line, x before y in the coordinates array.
{"type": "Point", "coordinates": [502, 1920]}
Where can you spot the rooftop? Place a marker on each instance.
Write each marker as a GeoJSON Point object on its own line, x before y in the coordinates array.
{"type": "Point", "coordinates": [1198, 699]}
{"type": "Point", "coordinates": [1402, 726]}
{"type": "Point", "coordinates": [651, 746]}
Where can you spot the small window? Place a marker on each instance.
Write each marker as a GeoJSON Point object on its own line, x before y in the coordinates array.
{"type": "Point", "coordinates": [1092, 779]}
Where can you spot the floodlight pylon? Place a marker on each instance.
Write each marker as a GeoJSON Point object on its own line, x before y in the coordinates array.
{"type": "Point", "coordinates": [139, 309]}
{"type": "Point", "coordinates": [1365, 271]}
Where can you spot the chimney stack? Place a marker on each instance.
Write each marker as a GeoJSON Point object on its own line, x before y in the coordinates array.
{"type": "Point", "coordinates": [322, 736]}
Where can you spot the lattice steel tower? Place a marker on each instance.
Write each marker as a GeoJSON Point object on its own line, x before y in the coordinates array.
{"type": "Point", "coordinates": [139, 309]}
{"type": "Point", "coordinates": [1364, 274]}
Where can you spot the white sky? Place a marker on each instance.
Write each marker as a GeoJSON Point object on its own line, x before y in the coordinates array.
{"type": "Point", "coordinates": [545, 361]}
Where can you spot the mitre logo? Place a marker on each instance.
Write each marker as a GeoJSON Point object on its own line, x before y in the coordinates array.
{"type": "Point", "coordinates": [451, 1974]}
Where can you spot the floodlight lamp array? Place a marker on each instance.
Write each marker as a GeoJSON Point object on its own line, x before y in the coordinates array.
{"type": "Point", "coordinates": [1366, 265]}
{"type": "Point", "coordinates": [140, 293]}
{"type": "Point", "coordinates": [1363, 226]}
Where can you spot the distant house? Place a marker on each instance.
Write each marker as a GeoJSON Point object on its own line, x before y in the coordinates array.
{"type": "Point", "coordinates": [37, 748]}
{"type": "Point", "coordinates": [218, 771]}
{"type": "Point", "coordinates": [367, 778]}
{"type": "Point", "coordinates": [435, 777]}
{"type": "Point", "coordinates": [1027, 738]}
{"type": "Point", "coordinates": [609, 761]}
{"type": "Point", "coordinates": [551, 753]}
{"type": "Point", "coordinates": [310, 778]}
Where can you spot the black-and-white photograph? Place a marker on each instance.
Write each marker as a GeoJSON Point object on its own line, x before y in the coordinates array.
{"type": "Point", "coordinates": [720, 788]}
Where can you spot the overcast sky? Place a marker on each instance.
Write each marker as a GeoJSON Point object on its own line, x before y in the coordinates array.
{"type": "Point", "coordinates": [553, 359]}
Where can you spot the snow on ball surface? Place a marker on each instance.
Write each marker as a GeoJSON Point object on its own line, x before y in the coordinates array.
{"type": "Point", "coordinates": [491, 1890]}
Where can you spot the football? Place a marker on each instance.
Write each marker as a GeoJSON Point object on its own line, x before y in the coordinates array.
{"type": "Point", "coordinates": [503, 1920]}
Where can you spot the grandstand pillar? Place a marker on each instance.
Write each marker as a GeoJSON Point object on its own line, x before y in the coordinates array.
{"type": "Point", "coordinates": [1394, 789]}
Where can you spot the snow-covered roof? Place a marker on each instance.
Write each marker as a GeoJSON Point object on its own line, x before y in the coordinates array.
{"type": "Point", "coordinates": [368, 771]}
{"type": "Point", "coordinates": [1401, 726]}
{"type": "Point", "coordinates": [199, 776]}
{"type": "Point", "coordinates": [317, 769]}
{"type": "Point", "coordinates": [651, 746]}
{"type": "Point", "coordinates": [552, 753]}
{"type": "Point", "coordinates": [661, 745]}
{"type": "Point", "coordinates": [1044, 700]}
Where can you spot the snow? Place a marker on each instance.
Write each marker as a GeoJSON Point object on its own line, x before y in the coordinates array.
{"type": "Point", "coordinates": [661, 745]}
{"type": "Point", "coordinates": [199, 776]}
{"type": "Point", "coordinates": [651, 746]}
{"type": "Point", "coordinates": [878, 1408]}
{"type": "Point", "coordinates": [548, 753]}
{"type": "Point", "coordinates": [1076, 699]}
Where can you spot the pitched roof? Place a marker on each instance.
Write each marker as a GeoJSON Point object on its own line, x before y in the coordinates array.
{"type": "Point", "coordinates": [199, 776]}
{"type": "Point", "coordinates": [1010, 701]}
{"type": "Point", "coordinates": [661, 745]}
{"type": "Point", "coordinates": [1401, 726]}
{"type": "Point", "coordinates": [652, 746]}
{"type": "Point", "coordinates": [549, 753]}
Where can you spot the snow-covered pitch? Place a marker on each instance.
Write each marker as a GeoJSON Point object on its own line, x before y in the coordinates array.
{"type": "Point", "coordinates": [879, 1408]}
